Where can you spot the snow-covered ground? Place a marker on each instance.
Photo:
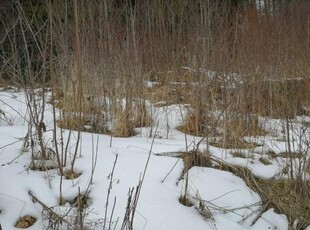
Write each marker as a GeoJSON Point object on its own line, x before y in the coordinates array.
{"type": "Point", "coordinates": [232, 204]}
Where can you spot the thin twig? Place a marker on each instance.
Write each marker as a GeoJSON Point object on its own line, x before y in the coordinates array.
{"type": "Point", "coordinates": [171, 170]}
{"type": "Point", "coordinates": [109, 191]}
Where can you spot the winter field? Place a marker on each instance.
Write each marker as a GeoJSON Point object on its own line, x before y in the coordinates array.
{"type": "Point", "coordinates": [155, 115]}
{"type": "Point", "coordinates": [141, 181]}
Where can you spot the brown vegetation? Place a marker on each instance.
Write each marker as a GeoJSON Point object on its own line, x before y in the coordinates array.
{"type": "Point", "coordinates": [230, 61]}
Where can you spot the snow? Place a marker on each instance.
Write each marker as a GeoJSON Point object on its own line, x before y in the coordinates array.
{"type": "Point", "coordinates": [271, 220]}
{"type": "Point", "coordinates": [227, 196]}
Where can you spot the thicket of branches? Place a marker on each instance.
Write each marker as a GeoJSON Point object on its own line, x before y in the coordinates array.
{"type": "Point", "coordinates": [245, 57]}
{"type": "Point", "coordinates": [136, 37]}
{"type": "Point", "coordinates": [126, 42]}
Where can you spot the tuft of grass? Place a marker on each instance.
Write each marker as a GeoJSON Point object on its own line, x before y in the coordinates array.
{"type": "Point", "coordinates": [195, 158]}
{"type": "Point", "coordinates": [271, 154]}
{"type": "Point", "coordinates": [240, 154]}
{"type": "Point", "coordinates": [123, 127]}
{"type": "Point", "coordinates": [80, 201]}
{"type": "Point", "coordinates": [199, 125]}
{"type": "Point", "coordinates": [25, 222]}
{"type": "Point", "coordinates": [265, 161]}
{"type": "Point", "coordinates": [244, 125]}
{"type": "Point", "coordinates": [291, 155]}
{"type": "Point", "coordinates": [191, 126]}
{"type": "Point", "coordinates": [233, 143]}
{"type": "Point", "coordinates": [232, 134]}
{"type": "Point", "coordinates": [168, 92]}
{"type": "Point", "coordinates": [70, 175]}
{"type": "Point", "coordinates": [286, 196]}
{"type": "Point", "coordinates": [195, 125]}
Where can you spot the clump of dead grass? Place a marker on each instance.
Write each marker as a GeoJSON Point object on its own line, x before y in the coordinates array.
{"type": "Point", "coordinates": [245, 125]}
{"type": "Point", "coordinates": [233, 143]}
{"type": "Point", "coordinates": [25, 222]}
{"type": "Point", "coordinates": [123, 127]}
{"type": "Point", "coordinates": [98, 117]}
{"type": "Point", "coordinates": [291, 155]}
{"type": "Point", "coordinates": [72, 121]}
{"type": "Point", "coordinates": [227, 134]}
{"type": "Point", "coordinates": [241, 154]}
{"type": "Point", "coordinates": [265, 161]}
{"type": "Point", "coordinates": [199, 125]}
{"type": "Point", "coordinates": [271, 154]}
{"type": "Point", "coordinates": [191, 126]}
{"type": "Point", "coordinates": [284, 98]}
{"type": "Point", "coordinates": [70, 175]}
{"type": "Point", "coordinates": [81, 201]}
{"type": "Point", "coordinates": [287, 196]}
{"type": "Point", "coordinates": [168, 93]}
{"type": "Point", "coordinates": [195, 158]}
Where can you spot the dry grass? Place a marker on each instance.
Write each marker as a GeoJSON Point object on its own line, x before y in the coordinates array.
{"type": "Point", "coordinates": [191, 126]}
{"type": "Point", "coordinates": [69, 103]}
{"type": "Point", "coordinates": [80, 201]}
{"type": "Point", "coordinates": [199, 125]}
{"type": "Point", "coordinates": [289, 197]}
{"type": "Point", "coordinates": [271, 154]}
{"type": "Point", "coordinates": [283, 196]}
{"type": "Point", "coordinates": [70, 175]}
{"type": "Point", "coordinates": [73, 122]}
{"type": "Point", "coordinates": [283, 99]}
{"type": "Point", "coordinates": [233, 130]}
{"type": "Point", "coordinates": [123, 127]}
{"type": "Point", "coordinates": [265, 161]}
{"type": "Point", "coordinates": [99, 113]}
{"type": "Point", "coordinates": [114, 63]}
{"type": "Point", "coordinates": [25, 222]}
{"type": "Point", "coordinates": [233, 143]}
{"type": "Point", "coordinates": [245, 125]}
{"type": "Point", "coordinates": [195, 158]}
{"type": "Point", "coordinates": [291, 155]}
{"type": "Point", "coordinates": [241, 154]}
{"type": "Point", "coordinates": [308, 168]}
{"type": "Point", "coordinates": [91, 119]}
{"type": "Point", "coordinates": [168, 92]}
{"type": "Point", "coordinates": [140, 115]}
